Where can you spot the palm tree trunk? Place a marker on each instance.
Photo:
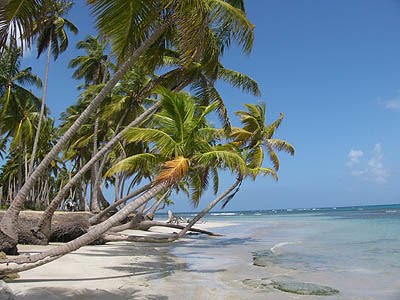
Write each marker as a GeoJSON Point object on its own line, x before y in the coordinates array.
{"type": "Point", "coordinates": [146, 225]}
{"type": "Point", "coordinates": [42, 109]}
{"type": "Point", "coordinates": [208, 208]}
{"type": "Point", "coordinates": [150, 212]}
{"type": "Point", "coordinates": [23, 263]}
{"type": "Point", "coordinates": [116, 187]}
{"type": "Point", "coordinates": [96, 218]}
{"type": "Point", "coordinates": [9, 222]}
{"type": "Point", "coordinates": [43, 229]}
{"type": "Point", "coordinates": [20, 164]}
{"type": "Point", "coordinates": [94, 203]}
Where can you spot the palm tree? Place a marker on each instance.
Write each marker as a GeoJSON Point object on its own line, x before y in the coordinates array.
{"type": "Point", "coordinates": [256, 136]}
{"type": "Point", "coordinates": [17, 21]}
{"type": "Point", "coordinates": [187, 141]}
{"type": "Point", "coordinates": [252, 138]}
{"type": "Point", "coordinates": [148, 22]}
{"type": "Point", "coordinates": [53, 37]}
{"type": "Point", "coordinates": [127, 97]}
{"type": "Point", "coordinates": [13, 79]}
{"type": "Point", "coordinates": [94, 68]}
{"type": "Point", "coordinates": [18, 105]}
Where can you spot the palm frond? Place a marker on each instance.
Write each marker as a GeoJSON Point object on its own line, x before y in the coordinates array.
{"type": "Point", "coordinates": [172, 171]}
{"type": "Point", "coordinates": [273, 157]}
{"type": "Point", "coordinates": [222, 157]}
{"type": "Point", "coordinates": [281, 145]}
{"type": "Point", "coordinates": [132, 164]}
{"type": "Point", "coordinates": [17, 21]}
{"type": "Point", "coordinates": [239, 80]}
{"type": "Point", "coordinates": [233, 20]}
{"type": "Point", "coordinates": [148, 135]}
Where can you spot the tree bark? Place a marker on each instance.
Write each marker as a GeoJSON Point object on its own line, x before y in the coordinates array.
{"type": "Point", "coordinates": [208, 208]}
{"type": "Point", "coordinates": [22, 263]}
{"type": "Point", "coordinates": [94, 203]}
{"type": "Point", "coordinates": [9, 223]}
{"type": "Point", "coordinates": [140, 239]}
{"type": "Point", "coordinates": [96, 218]}
{"type": "Point", "coordinates": [146, 225]}
{"type": "Point", "coordinates": [42, 108]}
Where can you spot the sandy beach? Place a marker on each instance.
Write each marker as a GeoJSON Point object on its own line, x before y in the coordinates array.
{"type": "Point", "coordinates": [118, 270]}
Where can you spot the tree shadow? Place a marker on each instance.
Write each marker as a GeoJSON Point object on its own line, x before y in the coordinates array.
{"type": "Point", "coordinates": [32, 280]}
{"type": "Point", "coordinates": [56, 293]}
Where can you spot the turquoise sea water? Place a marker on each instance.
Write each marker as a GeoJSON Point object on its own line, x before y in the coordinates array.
{"type": "Point", "coordinates": [354, 249]}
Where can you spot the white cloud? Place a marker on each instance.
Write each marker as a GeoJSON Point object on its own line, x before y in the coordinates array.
{"type": "Point", "coordinates": [354, 157]}
{"type": "Point", "coordinates": [393, 104]}
{"type": "Point", "coordinates": [375, 165]}
{"type": "Point", "coordinates": [372, 169]}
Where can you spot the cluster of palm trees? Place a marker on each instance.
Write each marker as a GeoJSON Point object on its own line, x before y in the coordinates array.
{"type": "Point", "coordinates": [141, 125]}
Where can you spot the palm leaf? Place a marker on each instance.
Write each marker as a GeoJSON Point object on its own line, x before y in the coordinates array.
{"type": "Point", "coordinates": [173, 171]}
{"type": "Point", "coordinates": [132, 164]}
{"type": "Point", "coordinates": [239, 80]}
{"type": "Point", "coordinates": [17, 21]}
{"type": "Point", "coordinates": [281, 145]}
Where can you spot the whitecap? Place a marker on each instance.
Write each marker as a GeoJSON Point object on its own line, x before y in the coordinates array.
{"type": "Point", "coordinates": [280, 245]}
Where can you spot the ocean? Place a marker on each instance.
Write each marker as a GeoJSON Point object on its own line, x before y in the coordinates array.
{"type": "Point", "coordinates": [351, 253]}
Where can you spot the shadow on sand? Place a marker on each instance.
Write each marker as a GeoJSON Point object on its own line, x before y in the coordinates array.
{"type": "Point", "coordinates": [58, 293]}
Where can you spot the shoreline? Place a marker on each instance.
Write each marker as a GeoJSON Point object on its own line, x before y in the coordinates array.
{"type": "Point", "coordinates": [251, 260]}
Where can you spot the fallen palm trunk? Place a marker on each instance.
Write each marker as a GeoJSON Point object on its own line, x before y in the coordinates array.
{"type": "Point", "coordinates": [140, 239]}
{"type": "Point", "coordinates": [146, 225]}
{"type": "Point", "coordinates": [23, 263]}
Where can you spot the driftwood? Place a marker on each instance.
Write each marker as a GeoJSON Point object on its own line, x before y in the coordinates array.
{"type": "Point", "coordinates": [139, 223]}
{"type": "Point", "coordinates": [146, 225]}
{"type": "Point", "coordinates": [141, 239]}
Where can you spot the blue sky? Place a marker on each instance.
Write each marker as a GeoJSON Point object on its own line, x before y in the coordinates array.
{"type": "Point", "coordinates": [333, 69]}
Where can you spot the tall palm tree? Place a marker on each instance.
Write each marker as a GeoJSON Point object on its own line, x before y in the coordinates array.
{"type": "Point", "coordinates": [94, 68]}
{"type": "Point", "coordinates": [18, 105]}
{"type": "Point", "coordinates": [147, 22]}
{"type": "Point", "coordinates": [13, 79]}
{"type": "Point", "coordinates": [52, 35]}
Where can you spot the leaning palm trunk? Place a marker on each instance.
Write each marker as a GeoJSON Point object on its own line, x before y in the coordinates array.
{"type": "Point", "coordinates": [42, 108]}
{"type": "Point", "coordinates": [42, 231]}
{"type": "Point", "coordinates": [9, 222]}
{"type": "Point", "coordinates": [208, 208]}
{"type": "Point", "coordinates": [96, 218]}
{"type": "Point", "coordinates": [23, 263]}
{"type": "Point", "coordinates": [149, 213]}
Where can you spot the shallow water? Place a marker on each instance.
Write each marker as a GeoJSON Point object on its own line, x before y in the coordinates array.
{"type": "Point", "coordinates": [356, 251]}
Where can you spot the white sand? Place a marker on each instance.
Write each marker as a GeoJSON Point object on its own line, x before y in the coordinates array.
{"type": "Point", "coordinates": [117, 270]}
